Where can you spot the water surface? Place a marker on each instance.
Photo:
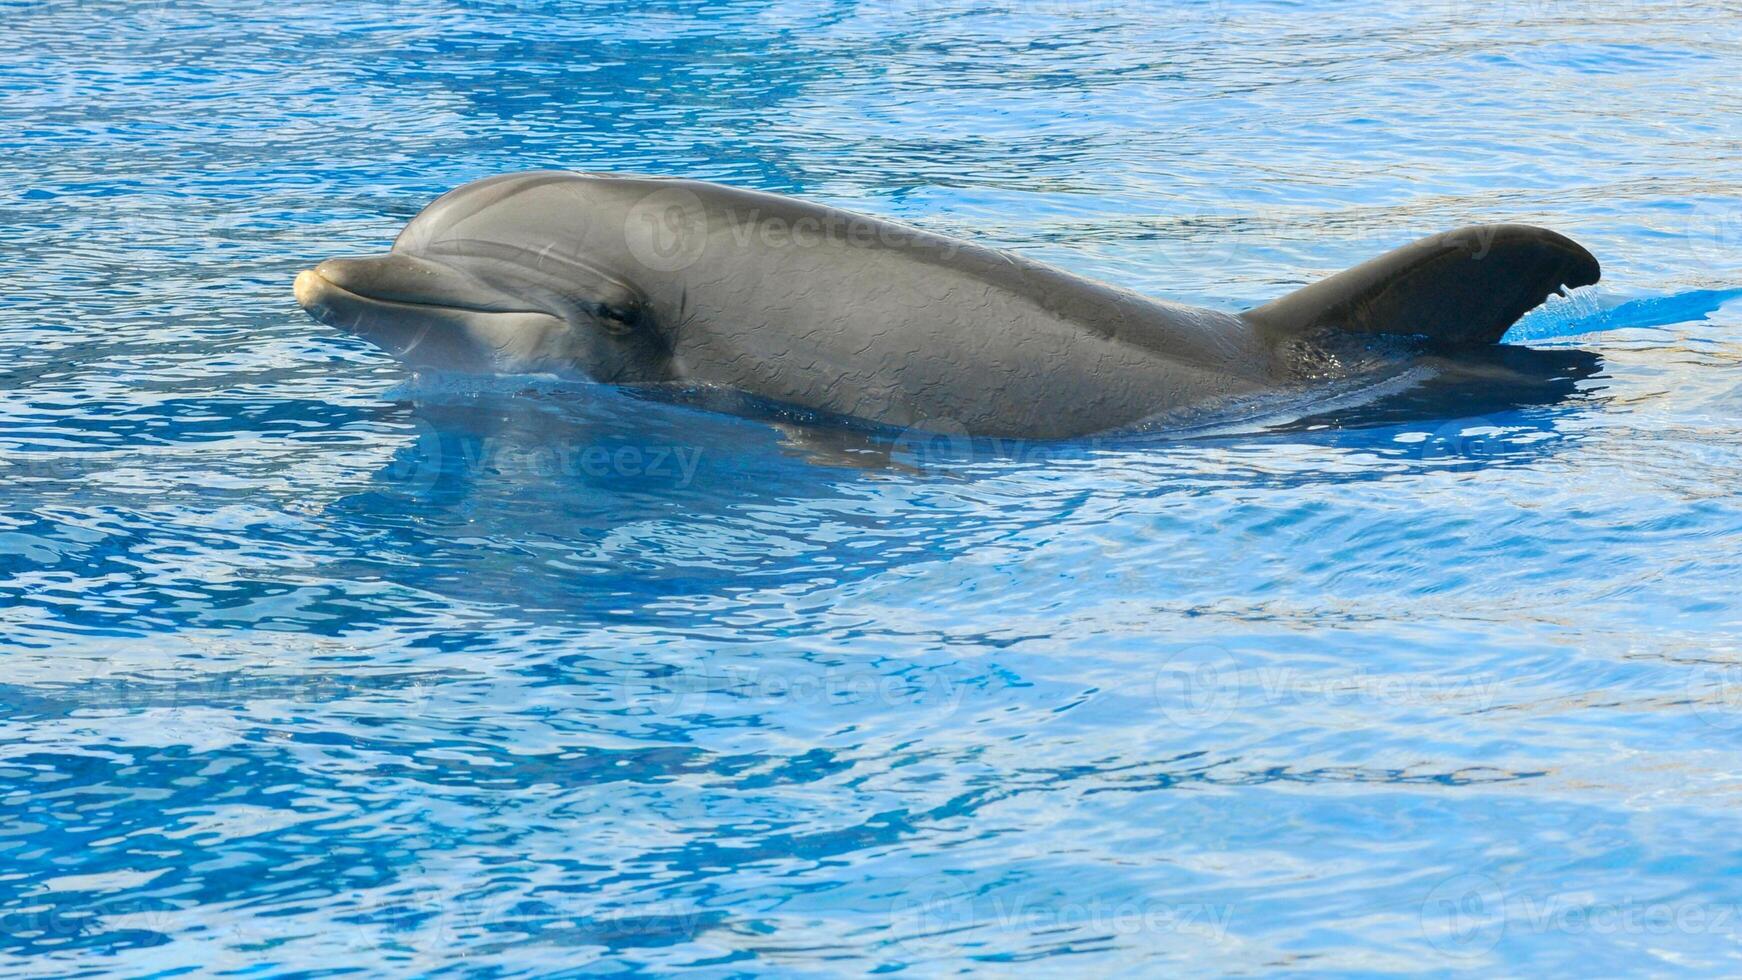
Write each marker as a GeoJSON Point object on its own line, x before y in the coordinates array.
{"type": "Point", "coordinates": [314, 667]}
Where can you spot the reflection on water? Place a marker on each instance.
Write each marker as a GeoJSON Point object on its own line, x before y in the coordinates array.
{"type": "Point", "coordinates": [1491, 382]}
{"type": "Point", "coordinates": [311, 666]}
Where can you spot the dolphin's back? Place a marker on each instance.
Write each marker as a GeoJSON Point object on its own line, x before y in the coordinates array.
{"type": "Point", "coordinates": [857, 315]}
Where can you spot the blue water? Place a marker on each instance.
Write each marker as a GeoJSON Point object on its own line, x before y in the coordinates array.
{"type": "Point", "coordinates": [311, 667]}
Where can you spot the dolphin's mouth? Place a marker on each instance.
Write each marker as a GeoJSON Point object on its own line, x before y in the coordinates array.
{"type": "Point", "coordinates": [426, 314]}
{"type": "Point", "coordinates": [403, 280]}
{"type": "Point", "coordinates": [317, 293]}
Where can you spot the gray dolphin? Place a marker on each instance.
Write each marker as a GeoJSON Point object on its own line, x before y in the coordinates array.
{"type": "Point", "coordinates": [657, 281]}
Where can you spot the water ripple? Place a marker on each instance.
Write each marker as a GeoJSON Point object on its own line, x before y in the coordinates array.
{"type": "Point", "coordinates": [316, 668]}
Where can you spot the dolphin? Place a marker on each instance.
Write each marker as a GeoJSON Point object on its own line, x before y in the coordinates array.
{"type": "Point", "coordinates": [686, 285]}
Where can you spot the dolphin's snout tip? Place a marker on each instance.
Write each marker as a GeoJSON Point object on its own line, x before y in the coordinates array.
{"type": "Point", "coordinates": [307, 283]}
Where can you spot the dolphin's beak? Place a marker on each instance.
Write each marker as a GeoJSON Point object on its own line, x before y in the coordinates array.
{"type": "Point", "coordinates": [308, 289]}
{"type": "Point", "coordinates": [423, 312]}
{"type": "Point", "coordinates": [399, 278]}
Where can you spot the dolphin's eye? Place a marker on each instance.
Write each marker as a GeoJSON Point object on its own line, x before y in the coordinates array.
{"type": "Point", "coordinates": [615, 319]}
{"type": "Point", "coordinates": [616, 307]}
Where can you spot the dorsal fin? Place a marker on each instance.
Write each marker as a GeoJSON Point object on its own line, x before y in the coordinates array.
{"type": "Point", "coordinates": [1457, 289]}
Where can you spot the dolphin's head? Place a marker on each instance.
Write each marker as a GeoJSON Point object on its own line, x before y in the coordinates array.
{"type": "Point", "coordinates": [508, 274]}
